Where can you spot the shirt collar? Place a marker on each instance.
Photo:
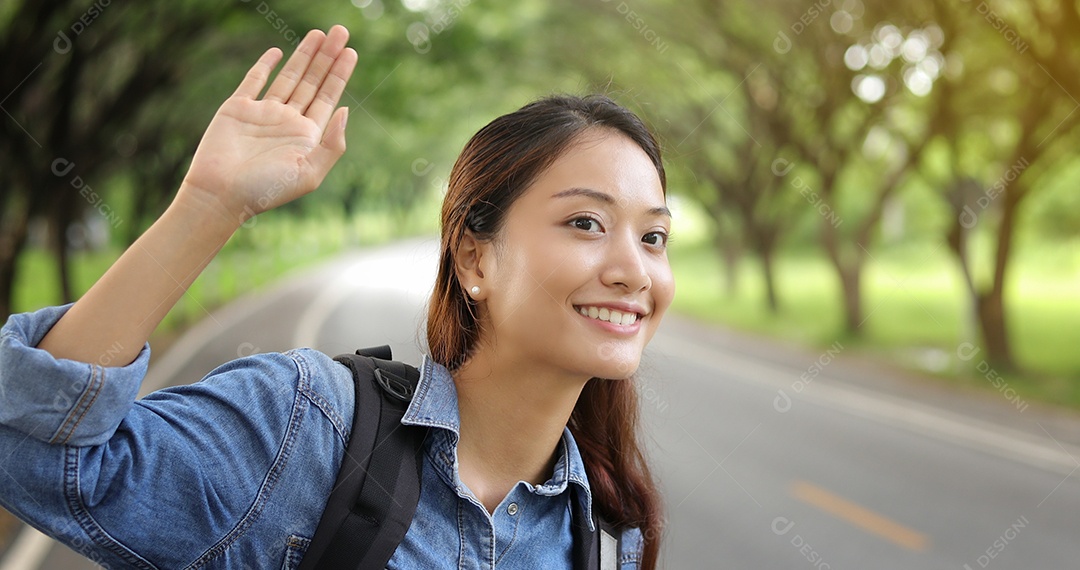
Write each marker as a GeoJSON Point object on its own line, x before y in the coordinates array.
{"type": "Point", "coordinates": [435, 405]}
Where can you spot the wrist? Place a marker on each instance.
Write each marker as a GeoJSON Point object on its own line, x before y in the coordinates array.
{"type": "Point", "coordinates": [204, 213]}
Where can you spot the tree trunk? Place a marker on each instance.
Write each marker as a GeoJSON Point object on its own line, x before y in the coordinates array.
{"type": "Point", "coordinates": [139, 212]}
{"type": "Point", "coordinates": [730, 254]}
{"type": "Point", "coordinates": [848, 269]}
{"type": "Point", "coordinates": [12, 241]}
{"type": "Point", "coordinates": [990, 305]}
{"type": "Point", "coordinates": [731, 271]}
{"type": "Point", "coordinates": [766, 254]}
{"type": "Point", "coordinates": [59, 224]}
{"type": "Point", "coordinates": [990, 309]}
{"type": "Point", "coordinates": [850, 284]}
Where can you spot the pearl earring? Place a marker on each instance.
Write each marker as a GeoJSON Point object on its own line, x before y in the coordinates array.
{"type": "Point", "coordinates": [475, 290]}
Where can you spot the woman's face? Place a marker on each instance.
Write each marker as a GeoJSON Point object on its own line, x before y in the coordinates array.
{"type": "Point", "coordinates": [584, 244]}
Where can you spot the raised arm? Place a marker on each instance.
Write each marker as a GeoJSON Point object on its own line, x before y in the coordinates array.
{"type": "Point", "coordinates": [256, 155]}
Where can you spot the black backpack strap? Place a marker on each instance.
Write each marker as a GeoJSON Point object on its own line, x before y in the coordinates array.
{"type": "Point", "coordinates": [610, 545]}
{"type": "Point", "coordinates": [594, 550]}
{"type": "Point", "coordinates": [378, 485]}
{"type": "Point", "coordinates": [381, 352]}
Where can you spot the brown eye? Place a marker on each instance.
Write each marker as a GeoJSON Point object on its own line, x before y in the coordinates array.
{"type": "Point", "coordinates": [585, 223]}
{"type": "Point", "coordinates": [661, 238]}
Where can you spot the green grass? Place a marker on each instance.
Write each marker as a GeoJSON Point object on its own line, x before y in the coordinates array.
{"type": "Point", "coordinates": [915, 308]}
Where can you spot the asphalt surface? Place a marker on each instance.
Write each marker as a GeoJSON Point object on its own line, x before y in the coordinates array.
{"type": "Point", "coordinates": [770, 457]}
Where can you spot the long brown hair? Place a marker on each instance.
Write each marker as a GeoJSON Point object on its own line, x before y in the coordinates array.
{"type": "Point", "coordinates": [493, 170]}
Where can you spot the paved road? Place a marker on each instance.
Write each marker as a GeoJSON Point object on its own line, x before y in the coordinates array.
{"type": "Point", "coordinates": [850, 467]}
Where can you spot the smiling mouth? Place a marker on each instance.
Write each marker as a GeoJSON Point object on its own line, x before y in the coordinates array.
{"type": "Point", "coordinates": [608, 315]}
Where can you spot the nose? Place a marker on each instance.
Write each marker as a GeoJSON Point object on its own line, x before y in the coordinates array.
{"type": "Point", "coordinates": [624, 263]}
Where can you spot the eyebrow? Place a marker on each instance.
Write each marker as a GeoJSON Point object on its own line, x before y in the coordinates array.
{"type": "Point", "coordinates": [607, 199]}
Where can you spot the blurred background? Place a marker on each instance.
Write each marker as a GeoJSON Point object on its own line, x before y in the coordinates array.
{"type": "Point", "coordinates": [892, 180]}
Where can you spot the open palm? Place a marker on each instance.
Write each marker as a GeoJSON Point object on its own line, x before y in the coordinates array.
{"type": "Point", "coordinates": [260, 153]}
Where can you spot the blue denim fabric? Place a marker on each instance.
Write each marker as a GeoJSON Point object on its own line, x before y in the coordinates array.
{"type": "Point", "coordinates": [234, 471]}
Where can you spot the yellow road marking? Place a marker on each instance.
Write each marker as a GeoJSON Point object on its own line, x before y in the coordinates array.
{"type": "Point", "coordinates": [859, 516]}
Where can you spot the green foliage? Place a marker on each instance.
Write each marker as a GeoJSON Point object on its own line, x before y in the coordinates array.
{"type": "Point", "coordinates": [1054, 214]}
{"type": "Point", "coordinates": [709, 77]}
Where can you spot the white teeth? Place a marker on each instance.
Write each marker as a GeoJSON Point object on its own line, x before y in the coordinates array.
{"type": "Point", "coordinates": [605, 314]}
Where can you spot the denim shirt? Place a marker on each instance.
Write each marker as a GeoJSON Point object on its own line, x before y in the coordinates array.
{"type": "Point", "coordinates": [234, 471]}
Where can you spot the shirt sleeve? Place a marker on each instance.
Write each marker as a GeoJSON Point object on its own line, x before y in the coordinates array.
{"type": "Point", "coordinates": [204, 475]}
{"type": "Point", "coordinates": [62, 401]}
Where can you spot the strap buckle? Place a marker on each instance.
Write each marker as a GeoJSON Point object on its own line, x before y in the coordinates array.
{"type": "Point", "coordinates": [394, 385]}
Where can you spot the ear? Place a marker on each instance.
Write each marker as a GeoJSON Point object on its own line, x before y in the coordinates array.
{"type": "Point", "coordinates": [470, 260]}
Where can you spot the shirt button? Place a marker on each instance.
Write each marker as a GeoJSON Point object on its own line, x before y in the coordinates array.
{"type": "Point", "coordinates": [512, 509]}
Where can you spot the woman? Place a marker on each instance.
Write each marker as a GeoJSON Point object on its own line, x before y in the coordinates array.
{"type": "Point", "coordinates": [553, 277]}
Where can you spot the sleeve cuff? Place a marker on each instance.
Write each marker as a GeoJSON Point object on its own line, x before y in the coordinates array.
{"type": "Point", "coordinates": [57, 400]}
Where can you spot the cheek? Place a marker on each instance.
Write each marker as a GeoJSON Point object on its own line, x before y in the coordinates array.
{"type": "Point", "coordinates": [538, 279]}
{"type": "Point", "coordinates": [559, 268]}
{"type": "Point", "coordinates": [663, 286]}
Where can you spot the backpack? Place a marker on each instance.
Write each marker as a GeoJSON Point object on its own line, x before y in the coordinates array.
{"type": "Point", "coordinates": [378, 484]}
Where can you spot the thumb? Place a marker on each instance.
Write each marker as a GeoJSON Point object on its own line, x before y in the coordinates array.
{"type": "Point", "coordinates": [332, 146]}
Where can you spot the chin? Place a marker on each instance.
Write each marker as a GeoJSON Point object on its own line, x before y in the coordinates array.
{"type": "Point", "coordinates": [616, 360]}
{"type": "Point", "coordinates": [616, 370]}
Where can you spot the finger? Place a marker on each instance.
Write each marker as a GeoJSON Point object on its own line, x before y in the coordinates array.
{"type": "Point", "coordinates": [316, 72]}
{"type": "Point", "coordinates": [285, 82]}
{"type": "Point", "coordinates": [256, 77]}
{"type": "Point", "coordinates": [332, 88]}
{"type": "Point", "coordinates": [323, 157]}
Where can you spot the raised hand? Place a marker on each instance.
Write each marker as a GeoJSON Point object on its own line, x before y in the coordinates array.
{"type": "Point", "coordinates": [260, 153]}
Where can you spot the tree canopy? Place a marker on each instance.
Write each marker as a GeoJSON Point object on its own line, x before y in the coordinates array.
{"type": "Point", "coordinates": [788, 123]}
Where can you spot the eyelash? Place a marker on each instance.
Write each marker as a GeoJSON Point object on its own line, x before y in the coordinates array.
{"type": "Point", "coordinates": [665, 236]}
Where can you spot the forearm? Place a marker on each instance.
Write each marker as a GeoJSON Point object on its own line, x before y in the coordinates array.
{"type": "Point", "coordinates": [113, 320]}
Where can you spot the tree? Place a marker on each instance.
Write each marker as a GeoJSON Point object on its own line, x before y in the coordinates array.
{"type": "Point", "coordinates": [986, 185]}
{"type": "Point", "coordinates": [71, 95]}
